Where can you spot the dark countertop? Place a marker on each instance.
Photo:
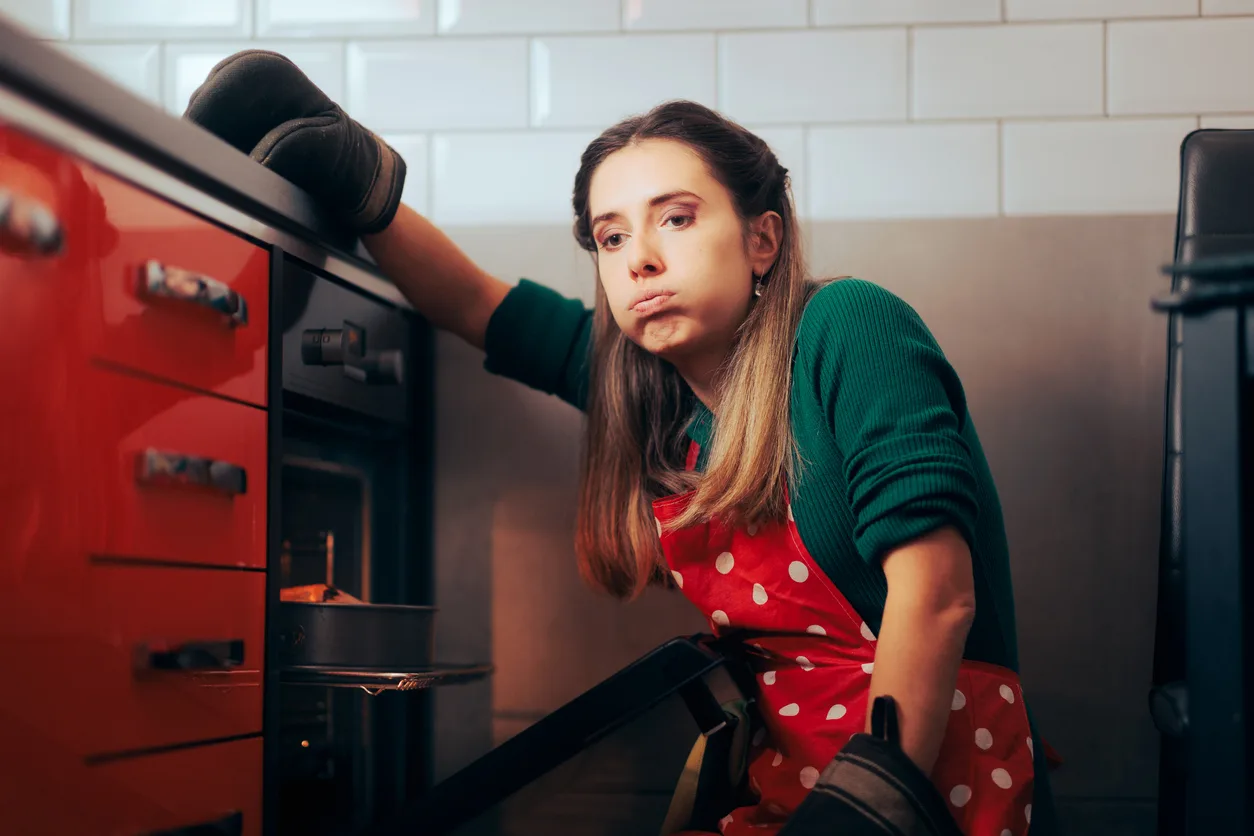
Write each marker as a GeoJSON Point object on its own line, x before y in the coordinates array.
{"type": "Point", "coordinates": [51, 79]}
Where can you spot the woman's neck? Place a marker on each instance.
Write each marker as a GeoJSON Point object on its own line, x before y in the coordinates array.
{"type": "Point", "coordinates": [701, 373]}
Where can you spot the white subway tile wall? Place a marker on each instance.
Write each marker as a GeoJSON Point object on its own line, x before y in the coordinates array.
{"type": "Point", "coordinates": [868, 13]}
{"type": "Point", "coordinates": [187, 64]}
{"type": "Point", "coordinates": [714, 14]}
{"type": "Point", "coordinates": [332, 18]}
{"type": "Point", "coordinates": [903, 171]}
{"type": "Point", "coordinates": [1116, 166]}
{"type": "Point", "coordinates": [43, 18]}
{"type": "Point", "coordinates": [1013, 70]}
{"type": "Point", "coordinates": [491, 17]}
{"type": "Point", "coordinates": [878, 108]}
{"type": "Point", "coordinates": [1227, 7]}
{"type": "Point", "coordinates": [816, 76]}
{"type": "Point", "coordinates": [592, 82]}
{"type": "Point", "coordinates": [1097, 9]}
{"type": "Point", "coordinates": [137, 67]}
{"type": "Point", "coordinates": [1181, 66]}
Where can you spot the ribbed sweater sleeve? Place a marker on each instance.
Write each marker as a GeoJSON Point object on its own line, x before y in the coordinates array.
{"type": "Point", "coordinates": [540, 338]}
{"type": "Point", "coordinates": [896, 411]}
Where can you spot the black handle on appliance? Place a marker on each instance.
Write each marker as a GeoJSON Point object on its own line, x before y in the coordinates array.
{"type": "Point", "coordinates": [27, 227]}
{"type": "Point", "coordinates": [219, 655]}
{"type": "Point", "coordinates": [346, 347]}
{"type": "Point", "coordinates": [157, 280]}
{"type": "Point", "coordinates": [231, 824]}
{"type": "Point", "coordinates": [161, 467]}
{"type": "Point", "coordinates": [379, 367]}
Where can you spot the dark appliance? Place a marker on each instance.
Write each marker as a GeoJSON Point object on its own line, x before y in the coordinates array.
{"type": "Point", "coordinates": [1202, 695]}
{"type": "Point", "coordinates": [349, 687]}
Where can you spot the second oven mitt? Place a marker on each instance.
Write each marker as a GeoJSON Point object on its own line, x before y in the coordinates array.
{"type": "Point", "coordinates": [261, 103]}
{"type": "Point", "coordinates": [872, 788]}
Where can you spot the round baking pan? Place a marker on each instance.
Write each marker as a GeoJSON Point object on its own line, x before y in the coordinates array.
{"type": "Point", "coordinates": [390, 637]}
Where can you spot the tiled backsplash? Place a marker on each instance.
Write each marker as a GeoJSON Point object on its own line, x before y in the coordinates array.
{"type": "Point", "coordinates": [880, 108]}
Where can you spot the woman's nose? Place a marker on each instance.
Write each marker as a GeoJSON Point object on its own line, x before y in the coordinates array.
{"type": "Point", "coordinates": [645, 259]}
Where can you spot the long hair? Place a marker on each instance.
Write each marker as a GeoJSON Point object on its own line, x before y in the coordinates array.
{"type": "Point", "coordinates": [638, 405]}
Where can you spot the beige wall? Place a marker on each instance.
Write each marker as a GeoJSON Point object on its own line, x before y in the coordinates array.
{"type": "Point", "coordinates": [1048, 323]}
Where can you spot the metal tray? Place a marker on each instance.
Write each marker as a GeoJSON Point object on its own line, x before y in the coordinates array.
{"type": "Point", "coordinates": [376, 682]}
{"type": "Point", "coordinates": [380, 637]}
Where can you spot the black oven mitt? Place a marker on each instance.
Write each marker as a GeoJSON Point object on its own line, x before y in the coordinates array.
{"type": "Point", "coordinates": [261, 103]}
{"type": "Point", "coordinates": [872, 788]}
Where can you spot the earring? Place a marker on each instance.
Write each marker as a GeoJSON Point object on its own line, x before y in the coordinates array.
{"type": "Point", "coordinates": [757, 286]}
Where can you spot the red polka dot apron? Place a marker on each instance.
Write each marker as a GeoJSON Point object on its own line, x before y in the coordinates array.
{"type": "Point", "coordinates": [813, 658]}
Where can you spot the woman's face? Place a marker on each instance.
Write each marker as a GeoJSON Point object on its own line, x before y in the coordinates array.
{"type": "Point", "coordinates": [672, 253]}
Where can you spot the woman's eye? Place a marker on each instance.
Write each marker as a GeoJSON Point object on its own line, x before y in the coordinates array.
{"type": "Point", "coordinates": [683, 220]}
{"type": "Point", "coordinates": [611, 241]}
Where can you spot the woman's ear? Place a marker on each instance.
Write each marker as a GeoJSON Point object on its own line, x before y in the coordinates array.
{"type": "Point", "coordinates": [765, 234]}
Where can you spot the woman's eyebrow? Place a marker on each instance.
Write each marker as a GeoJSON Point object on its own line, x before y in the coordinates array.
{"type": "Point", "coordinates": [662, 198]}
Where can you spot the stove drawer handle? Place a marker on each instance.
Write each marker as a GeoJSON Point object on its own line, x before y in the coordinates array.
{"type": "Point", "coordinates": [162, 467]}
{"type": "Point", "coordinates": [27, 227]}
{"type": "Point", "coordinates": [157, 280]}
{"type": "Point", "coordinates": [229, 825]}
{"type": "Point", "coordinates": [220, 655]}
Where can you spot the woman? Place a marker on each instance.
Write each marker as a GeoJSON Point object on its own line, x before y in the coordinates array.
{"type": "Point", "coordinates": [794, 457]}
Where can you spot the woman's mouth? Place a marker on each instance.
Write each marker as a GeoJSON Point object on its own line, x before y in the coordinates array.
{"type": "Point", "coordinates": [650, 302]}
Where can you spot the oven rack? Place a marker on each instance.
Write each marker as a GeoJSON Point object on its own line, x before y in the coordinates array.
{"type": "Point", "coordinates": [375, 682]}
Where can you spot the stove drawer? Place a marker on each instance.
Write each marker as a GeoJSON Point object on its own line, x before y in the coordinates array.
{"type": "Point", "coordinates": [177, 792]}
{"type": "Point", "coordinates": [172, 475]}
{"type": "Point", "coordinates": [131, 658]}
{"type": "Point", "coordinates": [168, 793]}
{"type": "Point", "coordinates": [175, 295]}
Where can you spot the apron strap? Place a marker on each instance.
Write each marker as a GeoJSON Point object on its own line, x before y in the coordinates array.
{"type": "Point", "coordinates": [694, 452]}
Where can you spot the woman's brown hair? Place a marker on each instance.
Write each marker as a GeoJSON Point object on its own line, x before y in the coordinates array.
{"type": "Point", "coordinates": [638, 405]}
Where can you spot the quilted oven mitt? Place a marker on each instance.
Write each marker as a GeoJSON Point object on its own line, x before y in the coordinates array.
{"type": "Point", "coordinates": [261, 103]}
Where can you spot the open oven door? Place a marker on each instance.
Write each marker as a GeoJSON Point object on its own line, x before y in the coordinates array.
{"type": "Point", "coordinates": [655, 700]}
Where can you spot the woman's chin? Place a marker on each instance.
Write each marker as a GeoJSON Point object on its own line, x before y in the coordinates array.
{"type": "Point", "coordinates": [663, 334]}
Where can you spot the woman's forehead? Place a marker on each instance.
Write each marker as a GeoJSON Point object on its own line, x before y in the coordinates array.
{"type": "Point", "coordinates": [631, 177]}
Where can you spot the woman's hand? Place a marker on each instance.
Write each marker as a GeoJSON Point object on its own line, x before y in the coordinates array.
{"type": "Point", "coordinates": [930, 607]}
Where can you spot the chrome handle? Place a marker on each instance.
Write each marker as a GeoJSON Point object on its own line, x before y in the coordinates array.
{"type": "Point", "coordinates": [189, 656]}
{"type": "Point", "coordinates": [159, 467]}
{"type": "Point", "coordinates": [27, 227]}
{"type": "Point", "coordinates": [231, 824]}
{"type": "Point", "coordinates": [157, 280]}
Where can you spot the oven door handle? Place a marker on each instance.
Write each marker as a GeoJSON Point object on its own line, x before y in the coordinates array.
{"type": "Point", "coordinates": [160, 656]}
{"type": "Point", "coordinates": [161, 467]}
{"type": "Point", "coordinates": [231, 824]}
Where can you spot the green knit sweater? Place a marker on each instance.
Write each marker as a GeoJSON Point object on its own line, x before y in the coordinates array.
{"type": "Point", "coordinates": [888, 449]}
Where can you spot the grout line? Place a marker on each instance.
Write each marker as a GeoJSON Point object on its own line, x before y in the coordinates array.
{"type": "Point", "coordinates": [1001, 168]}
{"type": "Point", "coordinates": [527, 81]}
{"type": "Point", "coordinates": [344, 70]}
{"type": "Point", "coordinates": [718, 72]}
{"type": "Point", "coordinates": [810, 12]}
{"type": "Point", "coordinates": [804, 211]}
{"type": "Point", "coordinates": [568, 130]}
{"type": "Point", "coordinates": [620, 32]}
{"type": "Point", "coordinates": [429, 209]}
{"type": "Point", "coordinates": [622, 15]}
{"type": "Point", "coordinates": [1105, 68]}
{"type": "Point", "coordinates": [1003, 11]}
{"type": "Point", "coordinates": [909, 73]}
